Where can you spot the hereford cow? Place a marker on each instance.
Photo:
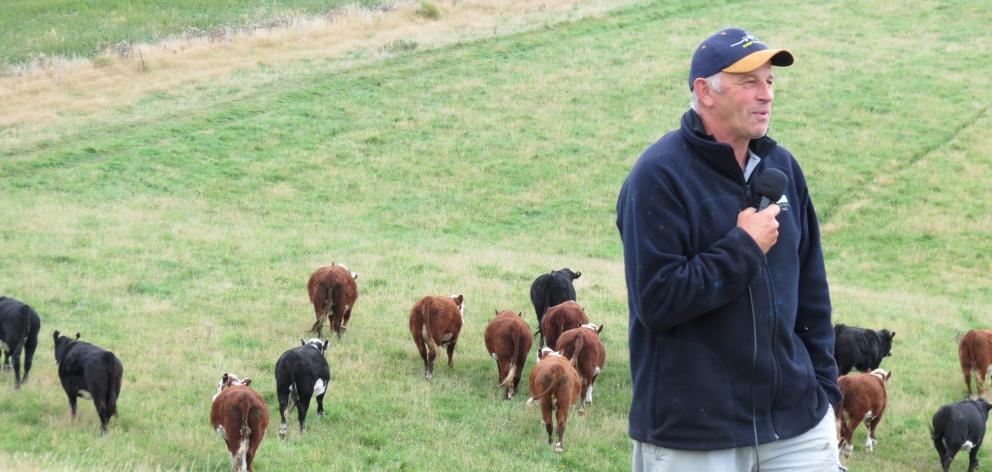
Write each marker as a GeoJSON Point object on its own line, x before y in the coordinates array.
{"type": "Point", "coordinates": [549, 290]}
{"type": "Point", "coordinates": [975, 354]}
{"type": "Point", "coordinates": [508, 341]}
{"type": "Point", "coordinates": [960, 427]}
{"type": "Point", "coordinates": [554, 382]}
{"type": "Point", "coordinates": [333, 292]}
{"type": "Point", "coordinates": [436, 321]}
{"type": "Point", "coordinates": [85, 369]}
{"type": "Point", "coordinates": [860, 348]}
{"type": "Point", "coordinates": [561, 318]}
{"type": "Point", "coordinates": [865, 399]}
{"type": "Point", "coordinates": [19, 325]}
{"type": "Point", "coordinates": [586, 351]}
{"type": "Point", "coordinates": [301, 373]}
{"type": "Point", "coordinates": [239, 416]}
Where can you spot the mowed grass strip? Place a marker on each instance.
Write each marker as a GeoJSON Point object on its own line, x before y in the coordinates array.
{"type": "Point", "coordinates": [184, 245]}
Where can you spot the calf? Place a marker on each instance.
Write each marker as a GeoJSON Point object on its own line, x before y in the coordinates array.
{"type": "Point", "coordinates": [508, 341]}
{"type": "Point", "coordinates": [239, 416]}
{"type": "Point", "coordinates": [586, 351]}
{"type": "Point", "coordinates": [975, 354]}
{"type": "Point", "coordinates": [333, 292]}
{"type": "Point", "coordinates": [554, 382]}
{"type": "Point", "coordinates": [860, 348]}
{"type": "Point", "coordinates": [561, 318]}
{"type": "Point", "coordinates": [301, 373]}
{"type": "Point", "coordinates": [19, 325]}
{"type": "Point", "coordinates": [88, 369]}
{"type": "Point", "coordinates": [549, 290]}
{"type": "Point", "coordinates": [436, 321]}
{"type": "Point", "coordinates": [865, 398]}
{"type": "Point", "coordinates": [960, 426]}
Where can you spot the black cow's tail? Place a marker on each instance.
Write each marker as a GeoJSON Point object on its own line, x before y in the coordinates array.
{"type": "Point", "coordinates": [32, 327]}
{"type": "Point", "coordinates": [546, 305]}
{"type": "Point", "coordinates": [114, 384]}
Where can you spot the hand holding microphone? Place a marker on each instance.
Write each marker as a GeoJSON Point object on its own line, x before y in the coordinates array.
{"type": "Point", "coordinates": [761, 224]}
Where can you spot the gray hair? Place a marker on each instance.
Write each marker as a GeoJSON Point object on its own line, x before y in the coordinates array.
{"type": "Point", "coordinates": [714, 83]}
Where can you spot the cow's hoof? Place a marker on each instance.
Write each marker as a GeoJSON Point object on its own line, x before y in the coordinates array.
{"type": "Point", "coordinates": [320, 413]}
{"type": "Point", "coordinates": [282, 432]}
{"type": "Point", "coordinates": [558, 448]}
{"type": "Point", "coordinates": [582, 411]}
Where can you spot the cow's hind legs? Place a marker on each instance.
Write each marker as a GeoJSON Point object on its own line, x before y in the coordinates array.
{"type": "Point", "coordinates": [451, 352]}
{"type": "Point", "coordinates": [973, 458]}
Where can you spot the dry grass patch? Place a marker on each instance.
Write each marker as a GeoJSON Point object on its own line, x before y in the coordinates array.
{"type": "Point", "coordinates": [39, 99]}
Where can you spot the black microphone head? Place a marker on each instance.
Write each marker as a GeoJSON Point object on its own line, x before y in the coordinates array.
{"type": "Point", "coordinates": [771, 184]}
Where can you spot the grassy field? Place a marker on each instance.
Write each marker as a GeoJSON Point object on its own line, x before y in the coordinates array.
{"type": "Point", "coordinates": [29, 28]}
{"type": "Point", "coordinates": [179, 230]}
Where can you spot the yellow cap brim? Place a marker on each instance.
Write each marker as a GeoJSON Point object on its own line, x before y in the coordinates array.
{"type": "Point", "coordinates": [778, 57]}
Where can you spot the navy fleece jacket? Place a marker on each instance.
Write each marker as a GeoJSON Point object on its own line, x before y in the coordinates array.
{"type": "Point", "coordinates": [721, 336]}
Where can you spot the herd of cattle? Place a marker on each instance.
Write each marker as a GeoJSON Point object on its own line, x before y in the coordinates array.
{"type": "Point", "coordinates": [955, 427]}
{"type": "Point", "coordinates": [564, 374]}
{"type": "Point", "coordinates": [570, 356]}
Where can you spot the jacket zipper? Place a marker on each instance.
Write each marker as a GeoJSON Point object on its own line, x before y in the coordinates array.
{"type": "Point", "coordinates": [771, 341]}
{"type": "Point", "coordinates": [776, 373]}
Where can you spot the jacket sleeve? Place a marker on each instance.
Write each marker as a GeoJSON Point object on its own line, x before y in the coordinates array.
{"type": "Point", "coordinates": [667, 283]}
{"type": "Point", "coordinates": [813, 323]}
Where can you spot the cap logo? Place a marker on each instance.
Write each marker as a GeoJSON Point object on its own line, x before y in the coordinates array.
{"type": "Point", "coordinates": [746, 41]}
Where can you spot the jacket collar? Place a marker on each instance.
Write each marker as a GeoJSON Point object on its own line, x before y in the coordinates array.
{"type": "Point", "coordinates": [717, 155]}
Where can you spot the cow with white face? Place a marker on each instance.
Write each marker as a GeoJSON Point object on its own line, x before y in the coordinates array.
{"type": "Point", "coordinates": [230, 380]}
{"type": "Point", "coordinates": [239, 416]}
{"type": "Point", "coordinates": [301, 373]}
{"type": "Point", "coordinates": [583, 347]}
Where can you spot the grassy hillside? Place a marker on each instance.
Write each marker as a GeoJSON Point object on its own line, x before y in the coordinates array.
{"type": "Point", "coordinates": [180, 232]}
{"type": "Point", "coordinates": [29, 28]}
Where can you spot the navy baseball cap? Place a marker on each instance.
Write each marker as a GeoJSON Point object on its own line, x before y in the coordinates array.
{"type": "Point", "coordinates": [733, 50]}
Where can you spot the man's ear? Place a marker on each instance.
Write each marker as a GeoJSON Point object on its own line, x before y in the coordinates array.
{"type": "Point", "coordinates": [704, 94]}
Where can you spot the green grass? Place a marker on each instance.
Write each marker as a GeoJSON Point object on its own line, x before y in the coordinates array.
{"type": "Point", "coordinates": [180, 233]}
{"type": "Point", "coordinates": [29, 28]}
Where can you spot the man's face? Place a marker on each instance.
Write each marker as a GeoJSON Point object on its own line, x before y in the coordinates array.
{"type": "Point", "coordinates": [744, 105]}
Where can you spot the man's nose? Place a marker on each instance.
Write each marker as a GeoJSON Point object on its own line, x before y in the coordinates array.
{"type": "Point", "coordinates": [766, 92]}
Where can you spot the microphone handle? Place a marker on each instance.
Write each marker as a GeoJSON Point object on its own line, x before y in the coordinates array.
{"type": "Point", "coordinates": [764, 203]}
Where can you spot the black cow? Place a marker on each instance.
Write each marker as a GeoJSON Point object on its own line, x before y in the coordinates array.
{"type": "Point", "coordinates": [960, 426]}
{"type": "Point", "coordinates": [549, 290]}
{"type": "Point", "coordinates": [19, 325]}
{"type": "Point", "coordinates": [860, 348]}
{"type": "Point", "coordinates": [302, 372]}
{"type": "Point", "coordinates": [85, 369]}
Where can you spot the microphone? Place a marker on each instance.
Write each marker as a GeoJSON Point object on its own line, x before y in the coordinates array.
{"type": "Point", "coordinates": [770, 185]}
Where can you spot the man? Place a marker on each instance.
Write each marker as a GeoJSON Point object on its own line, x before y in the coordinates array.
{"type": "Point", "coordinates": [730, 334]}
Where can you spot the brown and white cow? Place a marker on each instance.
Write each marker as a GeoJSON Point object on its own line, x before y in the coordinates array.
{"type": "Point", "coordinates": [560, 318]}
{"type": "Point", "coordinates": [975, 353]}
{"type": "Point", "coordinates": [554, 382]}
{"type": "Point", "coordinates": [434, 321]}
{"type": "Point", "coordinates": [865, 399]}
{"type": "Point", "coordinates": [239, 416]}
{"type": "Point", "coordinates": [508, 341]}
{"type": "Point", "coordinates": [586, 351]}
{"type": "Point", "coordinates": [333, 292]}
